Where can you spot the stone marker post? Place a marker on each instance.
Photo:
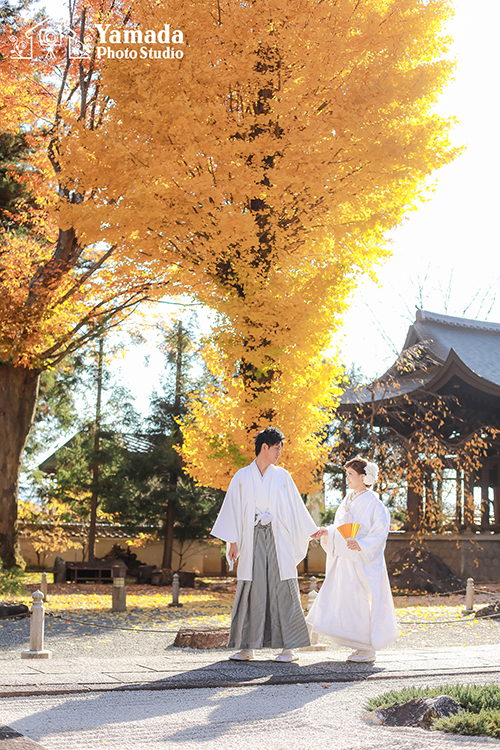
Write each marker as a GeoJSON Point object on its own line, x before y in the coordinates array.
{"type": "Point", "coordinates": [59, 570]}
{"type": "Point", "coordinates": [175, 592]}
{"type": "Point", "coordinates": [469, 597]}
{"type": "Point", "coordinates": [313, 593]}
{"type": "Point", "coordinates": [36, 650]}
{"type": "Point", "coordinates": [119, 591]}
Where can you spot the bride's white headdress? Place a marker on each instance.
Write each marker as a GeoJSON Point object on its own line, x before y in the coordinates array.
{"type": "Point", "coordinates": [371, 474]}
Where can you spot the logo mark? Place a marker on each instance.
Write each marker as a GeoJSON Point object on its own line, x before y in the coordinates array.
{"type": "Point", "coordinates": [48, 40]}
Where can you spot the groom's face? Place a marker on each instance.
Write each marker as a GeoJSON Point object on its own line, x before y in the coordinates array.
{"type": "Point", "coordinates": [272, 452]}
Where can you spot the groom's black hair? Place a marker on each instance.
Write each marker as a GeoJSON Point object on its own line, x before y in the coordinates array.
{"type": "Point", "coordinates": [269, 436]}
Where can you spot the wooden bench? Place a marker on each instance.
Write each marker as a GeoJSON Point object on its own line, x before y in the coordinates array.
{"type": "Point", "coordinates": [95, 572]}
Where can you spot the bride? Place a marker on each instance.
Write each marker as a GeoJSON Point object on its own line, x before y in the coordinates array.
{"type": "Point", "coordinates": [354, 606]}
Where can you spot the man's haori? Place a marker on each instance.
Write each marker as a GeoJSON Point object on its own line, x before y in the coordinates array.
{"type": "Point", "coordinates": [267, 519]}
{"type": "Point", "coordinates": [249, 494]}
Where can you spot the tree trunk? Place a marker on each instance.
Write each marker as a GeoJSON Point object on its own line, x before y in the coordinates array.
{"type": "Point", "coordinates": [94, 500]}
{"type": "Point", "coordinates": [18, 397]}
{"type": "Point", "coordinates": [168, 545]}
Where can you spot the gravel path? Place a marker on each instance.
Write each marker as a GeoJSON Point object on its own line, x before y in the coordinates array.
{"type": "Point", "coordinates": [72, 640]}
{"type": "Point", "coordinates": [266, 717]}
{"type": "Point", "coordinates": [68, 638]}
{"type": "Point", "coordinates": [330, 715]}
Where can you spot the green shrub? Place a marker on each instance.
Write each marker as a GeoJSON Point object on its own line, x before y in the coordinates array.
{"type": "Point", "coordinates": [486, 722]}
{"type": "Point", "coordinates": [481, 704]}
{"type": "Point", "coordinates": [327, 517]}
{"type": "Point", "coordinates": [472, 698]}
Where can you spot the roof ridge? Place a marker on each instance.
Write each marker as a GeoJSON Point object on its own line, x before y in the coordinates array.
{"type": "Point", "coordinates": [451, 320]}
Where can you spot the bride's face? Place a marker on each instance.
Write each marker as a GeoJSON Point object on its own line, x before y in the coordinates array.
{"type": "Point", "coordinates": [354, 480]}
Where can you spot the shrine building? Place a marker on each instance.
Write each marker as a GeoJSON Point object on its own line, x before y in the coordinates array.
{"type": "Point", "coordinates": [448, 374]}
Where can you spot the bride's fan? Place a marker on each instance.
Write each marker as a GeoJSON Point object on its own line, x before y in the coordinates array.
{"type": "Point", "coordinates": [349, 530]}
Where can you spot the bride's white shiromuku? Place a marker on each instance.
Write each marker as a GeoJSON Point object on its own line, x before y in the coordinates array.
{"type": "Point", "coordinates": [354, 606]}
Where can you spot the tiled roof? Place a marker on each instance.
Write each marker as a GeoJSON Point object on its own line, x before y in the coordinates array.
{"type": "Point", "coordinates": [103, 531]}
{"type": "Point", "coordinates": [431, 341]}
{"type": "Point", "coordinates": [383, 389]}
{"type": "Point", "coordinates": [476, 343]}
{"type": "Point", "coordinates": [132, 443]}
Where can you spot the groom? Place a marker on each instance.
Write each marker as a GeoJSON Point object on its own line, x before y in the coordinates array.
{"type": "Point", "coordinates": [266, 525]}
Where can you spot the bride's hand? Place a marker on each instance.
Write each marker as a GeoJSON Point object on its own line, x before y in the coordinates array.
{"type": "Point", "coordinates": [352, 544]}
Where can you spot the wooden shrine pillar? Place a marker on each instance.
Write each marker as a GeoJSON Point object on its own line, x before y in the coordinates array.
{"type": "Point", "coordinates": [496, 504]}
{"type": "Point", "coordinates": [439, 498]}
{"type": "Point", "coordinates": [430, 502]}
{"type": "Point", "coordinates": [495, 481]}
{"type": "Point", "coordinates": [344, 484]}
{"type": "Point", "coordinates": [413, 509]}
{"type": "Point", "coordinates": [468, 500]}
{"type": "Point", "coordinates": [485, 499]}
{"type": "Point", "coordinates": [433, 486]}
{"type": "Point", "coordinates": [458, 502]}
{"type": "Point", "coordinates": [496, 492]}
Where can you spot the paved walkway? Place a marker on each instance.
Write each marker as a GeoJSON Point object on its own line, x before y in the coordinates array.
{"type": "Point", "coordinates": [136, 691]}
{"type": "Point", "coordinates": [130, 704]}
{"type": "Point", "coordinates": [188, 668]}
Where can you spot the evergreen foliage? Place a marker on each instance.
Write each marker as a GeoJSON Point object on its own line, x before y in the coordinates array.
{"type": "Point", "coordinates": [141, 483]}
{"type": "Point", "coordinates": [56, 411]}
{"type": "Point", "coordinates": [481, 704]}
{"type": "Point", "coordinates": [160, 496]}
{"type": "Point", "coordinates": [327, 517]}
{"type": "Point", "coordinates": [486, 722]}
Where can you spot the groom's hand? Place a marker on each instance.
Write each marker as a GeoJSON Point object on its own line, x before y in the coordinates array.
{"type": "Point", "coordinates": [233, 552]}
{"type": "Point", "coordinates": [319, 533]}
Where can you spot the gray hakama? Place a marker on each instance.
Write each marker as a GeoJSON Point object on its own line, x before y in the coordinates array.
{"type": "Point", "coordinates": [267, 612]}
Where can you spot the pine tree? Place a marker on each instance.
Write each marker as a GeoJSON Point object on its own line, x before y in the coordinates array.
{"type": "Point", "coordinates": [163, 498]}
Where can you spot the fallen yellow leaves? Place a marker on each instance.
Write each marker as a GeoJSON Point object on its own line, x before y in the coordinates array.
{"type": "Point", "coordinates": [146, 607]}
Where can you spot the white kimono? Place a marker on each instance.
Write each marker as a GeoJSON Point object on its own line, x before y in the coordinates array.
{"type": "Point", "coordinates": [354, 606]}
{"type": "Point", "coordinates": [275, 493]}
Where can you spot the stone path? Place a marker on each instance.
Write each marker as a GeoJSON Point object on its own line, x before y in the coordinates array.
{"type": "Point", "coordinates": [188, 668]}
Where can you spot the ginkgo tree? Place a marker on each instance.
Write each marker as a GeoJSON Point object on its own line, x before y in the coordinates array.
{"type": "Point", "coordinates": [58, 290]}
{"type": "Point", "coordinates": [265, 165]}
{"type": "Point", "coordinates": [258, 170]}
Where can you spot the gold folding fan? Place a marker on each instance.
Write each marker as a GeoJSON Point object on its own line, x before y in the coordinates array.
{"type": "Point", "coordinates": [349, 530]}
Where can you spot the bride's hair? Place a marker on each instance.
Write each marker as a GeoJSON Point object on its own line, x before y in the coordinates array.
{"type": "Point", "coordinates": [365, 469]}
{"type": "Point", "coordinates": [358, 464]}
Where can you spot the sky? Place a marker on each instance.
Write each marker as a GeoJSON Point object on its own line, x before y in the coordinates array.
{"type": "Point", "coordinates": [445, 256]}
{"type": "Point", "coordinates": [449, 248]}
